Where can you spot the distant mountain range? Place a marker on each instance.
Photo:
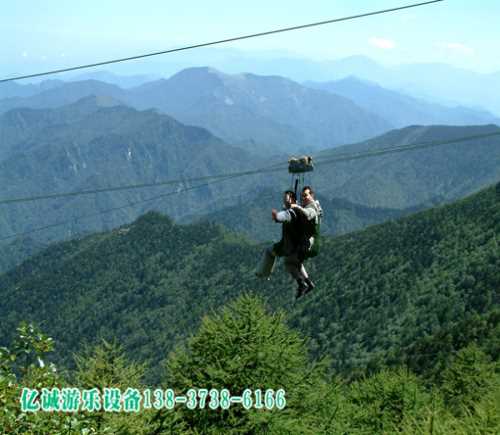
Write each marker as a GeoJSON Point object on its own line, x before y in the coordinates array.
{"type": "Point", "coordinates": [267, 110]}
{"type": "Point", "coordinates": [262, 114]}
{"type": "Point", "coordinates": [61, 94]}
{"type": "Point", "coordinates": [403, 110]}
{"type": "Point", "coordinates": [123, 81]}
{"type": "Point", "coordinates": [434, 82]}
{"type": "Point", "coordinates": [14, 89]}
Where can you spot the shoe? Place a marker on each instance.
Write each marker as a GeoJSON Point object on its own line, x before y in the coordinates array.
{"type": "Point", "coordinates": [310, 285]}
{"type": "Point", "coordinates": [301, 289]}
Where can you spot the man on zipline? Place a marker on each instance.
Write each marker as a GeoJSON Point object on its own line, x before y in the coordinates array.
{"type": "Point", "coordinates": [310, 226]}
{"type": "Point", "coordinates": [299, 236]}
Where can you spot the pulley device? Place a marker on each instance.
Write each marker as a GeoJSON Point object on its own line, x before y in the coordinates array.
{"type": "Point", "coordinates": [298, 166]}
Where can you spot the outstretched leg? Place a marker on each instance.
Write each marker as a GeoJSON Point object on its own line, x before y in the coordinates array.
{"type": "Point", "coordinates": [266, 265]}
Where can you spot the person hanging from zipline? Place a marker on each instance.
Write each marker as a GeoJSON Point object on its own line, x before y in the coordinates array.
{"type": "Point", "coordinates": [310, 226]}
{"type": "Point", "coordinates": [300, 238]}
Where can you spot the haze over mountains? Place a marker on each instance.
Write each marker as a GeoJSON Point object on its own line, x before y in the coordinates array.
{"type": "Point", "coordinates": [242, 107]}
{"type": "Point", "coordinates": [434, 82]}
{"type": "Point", "coordinates": [402, 110]}
{"type": "Point", "coordinates": [257, 112]}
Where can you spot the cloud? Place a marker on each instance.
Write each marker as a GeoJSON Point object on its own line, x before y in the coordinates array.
{"type": "Point", "coordinates": [457, 47]}
{"type": "Point", "coordinates": [385, 44]}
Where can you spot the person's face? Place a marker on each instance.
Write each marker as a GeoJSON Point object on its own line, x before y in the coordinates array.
{"type": "Point", "coordinates": [306, 196]}
{"type": "Point", "coordinates": [287, 200]}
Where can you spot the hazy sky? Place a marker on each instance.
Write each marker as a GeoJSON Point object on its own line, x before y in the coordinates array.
{"type": "Point", "coordinates": [45, 34]}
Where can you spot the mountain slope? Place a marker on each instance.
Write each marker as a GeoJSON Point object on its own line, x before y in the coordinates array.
{"type": "Point", "coordinates": [90, 145]}
{"type": "Point", "coordinates": [21, 128]}
{"type": "Point", "coordinates": [410, 178]}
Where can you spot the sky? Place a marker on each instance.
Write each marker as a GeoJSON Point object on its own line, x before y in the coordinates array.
{"type": "Point", "coordinates": [38, 35]}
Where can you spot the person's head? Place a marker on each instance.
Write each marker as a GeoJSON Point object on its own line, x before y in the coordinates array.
{"type": "Point", "coordinates": [307, 195]}
{"type": "Point", "coordinates": [289, 198]}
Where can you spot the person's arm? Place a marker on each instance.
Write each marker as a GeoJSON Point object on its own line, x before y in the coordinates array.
{"type": "Point", "coordinates": [310, 211]}
{"type": "Point", "coordinates": [281, 216]}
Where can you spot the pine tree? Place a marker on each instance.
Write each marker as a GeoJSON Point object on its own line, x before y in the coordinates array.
{"type": "Point", "coordinates": [244, 347]}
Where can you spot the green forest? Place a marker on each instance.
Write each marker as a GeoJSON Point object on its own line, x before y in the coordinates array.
{"type": "Point", "coordinates": [401, 334]}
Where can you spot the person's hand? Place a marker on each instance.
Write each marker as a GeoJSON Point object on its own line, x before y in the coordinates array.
{"type": "Point", "coordinates": [274, 213]}
{"type": "Point", "coordinates": [294, 205]}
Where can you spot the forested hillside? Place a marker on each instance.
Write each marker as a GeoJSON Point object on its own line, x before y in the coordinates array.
{"type": "Point", "coordinates": [242, 351]}
{"type": "Point", "coordinates": [379, 291]}
{"type": "Point", "coordinates": [386, 290]}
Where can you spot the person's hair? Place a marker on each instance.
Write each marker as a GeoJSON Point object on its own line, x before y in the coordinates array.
{"type": "Point", "coordinates": [291, 195]}
{"type": "Point", "coordinates": [308, 188]}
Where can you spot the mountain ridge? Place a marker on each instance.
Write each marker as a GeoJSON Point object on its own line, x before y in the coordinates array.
{"type": "Point", "coordinates": [403, 110]}
{"type": "Point", "coordinates": [238, 108]}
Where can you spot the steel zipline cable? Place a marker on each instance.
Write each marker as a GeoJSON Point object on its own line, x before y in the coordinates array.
{"type": "Point", "coordinates": [342, 157]}
{"type": "Point", "coordinates": [221, 41]}
{"type": "Point", "coordinates": [109, 210]}
{"type": "Point", "coordinates": [137, 186]}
